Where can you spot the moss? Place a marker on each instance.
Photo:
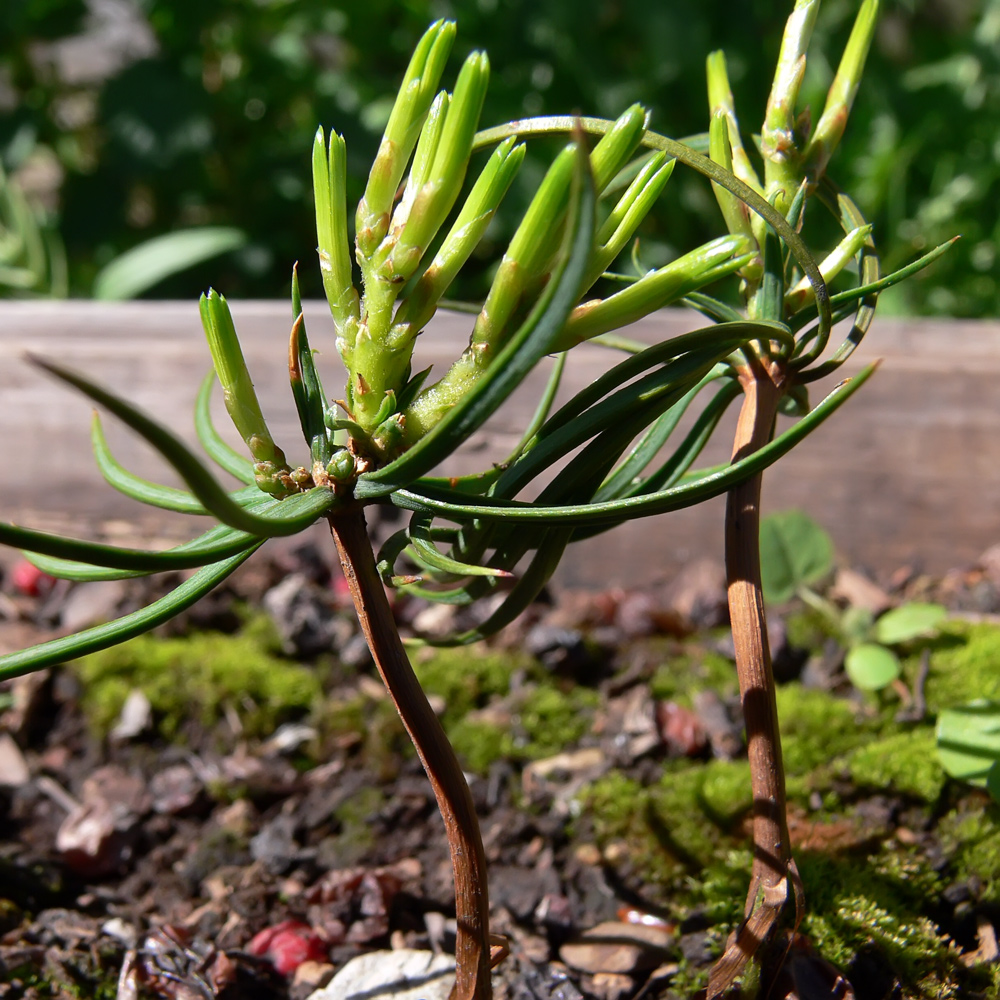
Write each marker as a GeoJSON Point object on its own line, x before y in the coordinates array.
{"type": "Point", "coordinates": [197, 677]}
{"type": "Point", "coordinates": [468, 677]}
{"type": "Point", "coordinates": [478, 744]}
{"type": "Point", "coordinates": [92, 977]}
{"type": "Point", "coordinates": [680, 840]}
{"type": "Point", "coordinates": [722, 888]}
{"type": "Point", "coordinates": [618, 808]}
{"type": "Point", "coordinates": [373, 725]}
{"type": "Point", "coordinates": [807, 629]}
{"type": "Point", "coordinates": [676, 829]}
{"type": "Point", "coordinates": [905, 762]}
{"type": "Point", "coordinates": [551, 721]}
{"type": "Point", "coordinates": [259, 628]}
{"type": "Point", "coordinates": [816, 728]}
{"type": "Point", "coordinates": [681, 675]}
{"type": "Point", "coordinates": [355, 817]}
{"type": "Point", "coordinates": [725, 790]}
{"type": "Point", "coordinates": [971, 839]}
{"type": "Point", "coordinates": [854, 905]}
{"type": "Point", "coordinates": [545, 719]}
{"type": "Point", "coordinates": [963, 666]}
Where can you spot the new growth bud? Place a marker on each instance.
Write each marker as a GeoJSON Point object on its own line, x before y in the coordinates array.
{"type": "Point", "coordinates": [631, 209]}
{"type": "Point", "coordinates": [329, 169]}
{"type": "Point", "coordinates": [416, 310]}
{"type": "Point", "coordinates": [434, 187]}
{"type": "Point", "coordinates": [531, 255]}
{"type": "Point", "coordinates": [657, 289]}
{"type": "Point", "coordinates": [840, 97]}
{"type": "Point", "coordinates": [238, 391]}
{"type": "Point", "coordinates": [720, 101]}
{"type": "Point", "coordinates": [341, 467]}
{"type": "Point", "coordinates": [778, 141]}
{"type": "Point", "coordinates": [734, 211]}
{"type": "Point", "coordinates": [803, 293]}
{"type": "Point", "coordinates": [407, 117]}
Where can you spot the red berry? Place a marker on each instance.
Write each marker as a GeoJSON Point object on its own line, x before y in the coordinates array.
{"type": "Point", "coordinates": [30, 580]}
{"type": "Point", "coordinates": [288, 945]}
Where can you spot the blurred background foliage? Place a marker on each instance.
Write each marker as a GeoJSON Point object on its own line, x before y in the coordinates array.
{"type": "Point", "coordinates": [126, 119]}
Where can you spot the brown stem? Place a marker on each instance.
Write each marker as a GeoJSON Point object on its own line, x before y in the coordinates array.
{"type": "Point", "coordinates": [472, 942]}
{"type": "Point", "coordinates": [772, 861]}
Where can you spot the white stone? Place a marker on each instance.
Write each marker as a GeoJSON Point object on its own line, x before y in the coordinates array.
{"type": "Point", "coordinates": [406, 974]}
{"type": "Point", "coordinates": [14, 771]}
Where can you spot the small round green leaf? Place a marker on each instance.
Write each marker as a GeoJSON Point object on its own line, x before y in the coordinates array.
{"type": "Point", "coordinates": [871, 667]}
{"type": "Point", "coordinates": [794, 551]}
{"type": "Point", "coordinates": [909, 621]}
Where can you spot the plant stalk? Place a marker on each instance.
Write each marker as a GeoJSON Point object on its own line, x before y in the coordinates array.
{"type": "Point", "coordinates": [472, 942]}
{"type": "Point", "coordinates": [773, 866]}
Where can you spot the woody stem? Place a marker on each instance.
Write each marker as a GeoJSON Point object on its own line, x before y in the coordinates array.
{"type": "Point", "coordinates": [762, 388]}
{"type": "Point", "coordinates": [472, 942]}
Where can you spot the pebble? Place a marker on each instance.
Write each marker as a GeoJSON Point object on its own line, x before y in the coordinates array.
{"type": "Point", "coordinates": [559, 649]}
{"type": "Point", "coordinates": [725, 733]}
{"type": "Point", "coordinates": [91, 604]}
{"type": "Point", "coordinates": [547, 982]}
{"type": "Point", "coordinates": [521, 890]}
{"type": "Point", "coordinates": [312, 974]}
{"type": "Point", "coordinates": [135, 717]}
{"type": "Point", "coordinates": [857, 591]}
{"type": "Point", "coordinates": [275, 846]}
{"type": "Point", "coordinates": [14, 772]}
{"type": "Point", "coordinates": [563, 775]}
{"type": "Point", "coordinates": [96, 839]}
{"type": "Point", "coordinates": [698, 593]}
{"type": "Point", "coordinates": [434, 620]}
{"type": "Point", "coordinates": [681, 730]}
{"type": "Point", "coordinates": [302, 615]}
{"type": "Point", "coordinates": [615, 947]}
{"type": "Point", "coordinates": [288, 738]}
{"type": "Point", "coordinates": [698, 947]}
{"type": "Point", "coordinates": [174, 789]}
{"type": "Point", "coordinates": [636, 614]}
{"type": "Point", "coordinates": [609, 986]}
{"type": "Point", "coordinates": [406, 974]}
{"type": "Point", "coordinates": [355, 652]}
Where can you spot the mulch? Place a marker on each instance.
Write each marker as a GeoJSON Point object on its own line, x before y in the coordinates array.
{"type": "Point", "coordinates": [217, 865]}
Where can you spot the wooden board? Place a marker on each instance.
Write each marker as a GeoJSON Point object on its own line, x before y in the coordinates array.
{"type": "Point", "coordinates": [908, 472]}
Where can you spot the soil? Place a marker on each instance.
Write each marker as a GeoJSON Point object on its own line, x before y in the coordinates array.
{"type": "Point", "coordinates": [229, 808]}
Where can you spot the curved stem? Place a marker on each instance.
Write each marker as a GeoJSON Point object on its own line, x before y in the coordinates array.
{"type": "Point", "coordinates": [772, 861]}
{"type": "Point", "coordinates": [472, 942]}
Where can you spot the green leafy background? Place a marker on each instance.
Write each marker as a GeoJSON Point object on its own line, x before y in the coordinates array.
{"type": "Point", "coordinates": [215, 127]}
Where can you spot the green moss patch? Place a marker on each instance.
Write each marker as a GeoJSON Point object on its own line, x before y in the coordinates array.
{"type": "Point", "coordinates": [544, 717]}
{"type": "Point", "coordinates": [971, 839]}
{"type": "Point", "coordinates": [468, 677]}
{"type": "Point", "coordinates": [680, 675]}
{"type": "Point", "coordinates": [193, 679]}
{"type": "Point", "coordinates": [478, 744]}
{"type": "Point", "coordinates": [551, 720]}
{"type": "Point", "coordinates": [370, 723]}
{"type": "Point", "coordinates": [904, 762]}
{"type": "Point", "coordinates": [965, 665]}
{"type": "Point", "coordinates": [679, 827]}
{"type": "Point", "coordinates": [817, 728]}
{"type": "Point", "coordinates": [876, 902]}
